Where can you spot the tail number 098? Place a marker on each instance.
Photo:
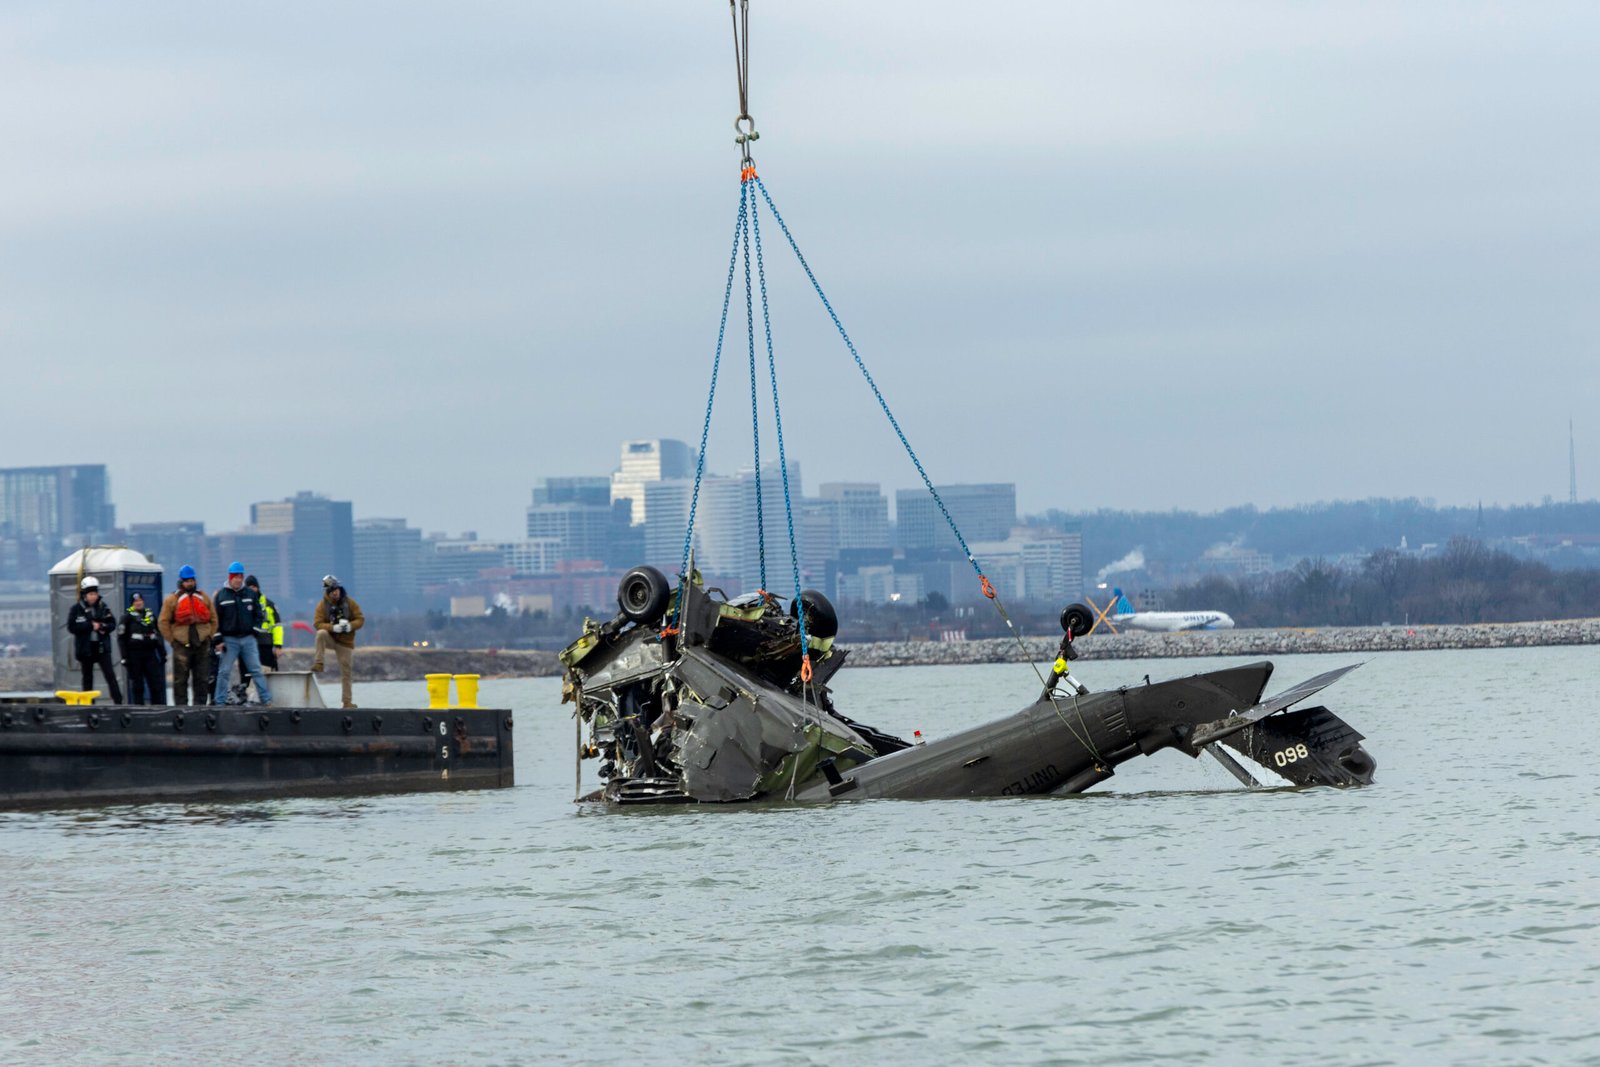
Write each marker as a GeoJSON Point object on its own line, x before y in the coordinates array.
{"type": "Point", "coordinates": [1294, 754]}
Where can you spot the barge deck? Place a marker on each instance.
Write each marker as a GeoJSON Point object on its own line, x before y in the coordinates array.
{"type": "Point", "coordinates": [55, 755]}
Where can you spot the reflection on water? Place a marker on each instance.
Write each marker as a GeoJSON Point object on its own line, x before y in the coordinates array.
{"type": "Point", "coordinates": [138, 817]}
{"type": "Point", "coordinates": [1447, 914]}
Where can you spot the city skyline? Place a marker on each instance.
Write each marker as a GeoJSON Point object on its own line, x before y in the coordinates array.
{"type": "Point", "coordinates": [506, 518]}
{"type": "Point", "coordinates": [579, 539]}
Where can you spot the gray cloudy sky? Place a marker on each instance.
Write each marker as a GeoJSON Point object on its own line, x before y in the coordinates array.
{"type": "Point", "coordinates": [1128, 255]}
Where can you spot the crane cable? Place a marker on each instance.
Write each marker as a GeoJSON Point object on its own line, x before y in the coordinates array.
{"type": "Point", "coordinates": [747, 231]}
{"type": "Point", "coordinates": [740, 11]}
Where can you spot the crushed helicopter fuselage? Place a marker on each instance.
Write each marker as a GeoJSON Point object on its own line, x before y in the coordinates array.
{"type": "Point", "coordinates": [713, 709]}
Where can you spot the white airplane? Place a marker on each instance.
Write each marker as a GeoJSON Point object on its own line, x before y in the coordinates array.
{"type": "Point", "coordinates": [1123, 617]}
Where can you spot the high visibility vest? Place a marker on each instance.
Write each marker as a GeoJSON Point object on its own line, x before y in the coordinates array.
{"type": "Point", "coordinates": [271, 623]}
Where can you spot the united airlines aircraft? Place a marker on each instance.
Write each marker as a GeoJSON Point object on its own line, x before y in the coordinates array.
{"type": "Point", "coordinates": [1123, 617]}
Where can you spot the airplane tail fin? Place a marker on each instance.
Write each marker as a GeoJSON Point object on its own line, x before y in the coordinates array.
{"type": "Point", "coordinates": [1122, 605]}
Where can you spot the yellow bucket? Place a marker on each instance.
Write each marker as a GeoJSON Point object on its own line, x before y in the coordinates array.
{"type": "Point", "coordinates": [438, 690]}
{"type": "Point", "coordinates": [467, 690]}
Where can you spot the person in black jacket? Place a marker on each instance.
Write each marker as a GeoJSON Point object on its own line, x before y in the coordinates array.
{"type": "Point", "coordinates": [93, 625]}
{"type": "Point", "coordinates": [144, 655]}
{"type": "Point", "coordinates": [238, 618]}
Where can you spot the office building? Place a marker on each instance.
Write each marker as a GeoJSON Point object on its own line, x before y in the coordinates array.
{"type": "Point", "coordinates": [321, 540]}
{"type": "Point", "coordinates": [667, 505]}
{"type": "Point", "coordinates": [68, 503]}
{"type": "Point", "coordinates": [982, 512]}
{"type": "Point", "coordinates": [268, 556]}
{"type": "Point", "coordinates": [444, 560]}
{"type": "Point", "coordinates": [388, 555]}
{"type": "Point", "coordinates": [171, 544]}
{"type": "Point", "coordinates": [863, 513]}
{"type": "Point", "coordinates": [648, 461]}
{"type": "Point", "coordinates": [843, 517]}
{"type": "Point", "coordinates": [730, 538]}
{"type": "Point", "coordinates": [589, 490]}
{"type": "Point", "coordinates": [582, 531]}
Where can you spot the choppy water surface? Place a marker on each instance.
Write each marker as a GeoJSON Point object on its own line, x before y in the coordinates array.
{"type": "Point", "coordinates": [1450, 914]}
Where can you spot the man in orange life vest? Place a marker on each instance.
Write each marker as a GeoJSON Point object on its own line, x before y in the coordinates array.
{"type": "Point", "coordinates": [187, 622]}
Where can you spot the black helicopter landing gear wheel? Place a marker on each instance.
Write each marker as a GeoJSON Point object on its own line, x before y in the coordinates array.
{"type": "Point", "coordinates": [822, 621]}
{"type": "Point", "coordinates": [643, 595]}
{"type": "Point", "coordinates": [1077, 620]}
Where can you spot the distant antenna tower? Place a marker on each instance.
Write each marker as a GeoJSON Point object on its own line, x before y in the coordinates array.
{"type": "Point", "coordinates": [1572, 467]}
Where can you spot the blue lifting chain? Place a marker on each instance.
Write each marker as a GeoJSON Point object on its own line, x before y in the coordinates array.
{"type": "Point", "coordinates": [747, 232]}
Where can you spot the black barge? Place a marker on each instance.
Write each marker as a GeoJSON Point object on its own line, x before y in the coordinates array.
{"type": "Point", "coordinates": [56, 755]}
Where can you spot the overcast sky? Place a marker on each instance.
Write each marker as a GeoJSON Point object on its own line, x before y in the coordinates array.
{"type": "Point", "coordinates": [1124, 255]}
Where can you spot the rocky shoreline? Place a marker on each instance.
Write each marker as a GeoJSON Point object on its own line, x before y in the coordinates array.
{"type": "Point", "coordinates": [1236, 643]}
{"type": "Point", "coordinates": [32, 673]}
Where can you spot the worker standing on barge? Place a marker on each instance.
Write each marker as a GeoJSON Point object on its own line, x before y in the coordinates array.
{"type": "Point", "coordinates": [337, 619]}
{"type": "Point", "coordinates": [238, 619]}
{"type": "Point", "coordinates": [143, 655]}
{"type": "Point", "coordinates": [187, 622]}
{"type": "Point", "coordinates": [269, 639]}
{"type": "Point", "coordinates": [92, 625]}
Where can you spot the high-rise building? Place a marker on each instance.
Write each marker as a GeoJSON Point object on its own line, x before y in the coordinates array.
{"type": "Point", "coordinates": [982, 513]}
{"type": "Point", "coordinates": [729, 537]}
{"type": "Point", "coordinates": [388, 554]}
{"type": "Point", "coordinates": [268, 556]}
{"type": "Point", "coordinates": [1039, 564]}
{"type": "Point", "coordinates": [582, 531]}
{"type": "Point", "coordinates": [817, 528]}
{"type": "Point", "coordinates": [446, 560]}
{"type": "Point", "coordinates": [654, 460]}
{"type": "Point", "coordinates": [321, 535]}
{"type": "Point", "coordinates": [70, 503]}
{"type": "Point", "coordinates": [171, 544]}
{"type": "Point", "coordinates": [863, 513]}
{"type": "Point", "coordinates": [590, 490]}
{"type": "Point", "coordinates": [667, 505]}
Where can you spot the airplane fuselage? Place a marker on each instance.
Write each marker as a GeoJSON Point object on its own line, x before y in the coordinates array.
{"type": "Point", "coordinates": [1172, 621]}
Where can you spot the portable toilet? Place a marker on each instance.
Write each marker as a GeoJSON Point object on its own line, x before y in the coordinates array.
{"type": "Point", "coordinates": [122, 572]}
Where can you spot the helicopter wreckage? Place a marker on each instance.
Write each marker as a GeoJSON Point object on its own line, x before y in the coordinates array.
{"type": "Point", "coordinates": [704, 701]}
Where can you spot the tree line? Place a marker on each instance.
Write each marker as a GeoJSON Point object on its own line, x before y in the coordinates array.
{"type": "Point", "coordinates": [1172, 539]}
{"type": "Point", "coordinates": [1465, 582]}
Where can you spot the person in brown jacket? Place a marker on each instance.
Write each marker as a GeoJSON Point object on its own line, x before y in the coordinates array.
{"type": "Point", "coordinates": [186, 622]}
{"type": "Point", "coordinates": [337, 619]}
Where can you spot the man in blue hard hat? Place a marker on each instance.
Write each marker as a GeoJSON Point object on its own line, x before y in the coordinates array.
{"type": "Point", "coordinates": [187, 622]}
{"type": "Point", "coordinates": [238, 618]}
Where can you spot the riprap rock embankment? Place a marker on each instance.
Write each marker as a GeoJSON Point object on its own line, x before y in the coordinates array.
{"type": "Point", "coordinates": [1234, 643]}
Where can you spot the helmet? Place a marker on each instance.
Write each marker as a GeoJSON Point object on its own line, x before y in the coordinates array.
{"type": "Point", "coordinates": [185, 572]}
{"type": "Point", "coordinates": [236, 567]}
{"type": "Point", "coordinates": [329, 581]}
{"type": "Point", "coordinates": [89, 583]}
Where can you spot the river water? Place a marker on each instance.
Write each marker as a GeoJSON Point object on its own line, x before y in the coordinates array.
{"type": "Point", "coordinates": [1449, 914]}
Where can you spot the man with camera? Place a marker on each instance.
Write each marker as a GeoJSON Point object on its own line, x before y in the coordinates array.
{"type": "Point", "coordinates": [337, 619]}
